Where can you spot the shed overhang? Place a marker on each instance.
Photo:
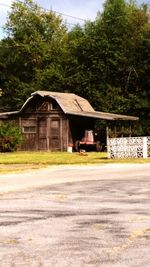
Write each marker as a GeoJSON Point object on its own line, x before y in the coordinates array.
{"type": "Point", "coordinates": [103, 116]}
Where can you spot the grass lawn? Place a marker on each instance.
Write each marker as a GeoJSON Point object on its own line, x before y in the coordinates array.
{"type": "Point", "coordinates": [17, 161]}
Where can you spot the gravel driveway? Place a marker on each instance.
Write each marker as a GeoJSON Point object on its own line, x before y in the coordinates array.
{"type": "Point", "coordinates": [76, 216]}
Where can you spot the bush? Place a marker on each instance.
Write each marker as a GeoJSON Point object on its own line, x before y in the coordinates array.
{"type": "Point", "coordinates": [10, 137]}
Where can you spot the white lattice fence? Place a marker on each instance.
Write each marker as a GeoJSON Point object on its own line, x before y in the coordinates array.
{"type": "Point", "coordinates": [148, 146]}
{"type": "Point", "coordinates": [128, 147]}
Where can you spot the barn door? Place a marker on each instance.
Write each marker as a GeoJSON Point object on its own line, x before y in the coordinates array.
{"type": "Point", "coordinates": [42, 136]}
{"type": "Point", "coordinates": [55, 135]}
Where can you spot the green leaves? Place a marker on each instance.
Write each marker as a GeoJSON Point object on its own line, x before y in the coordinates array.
{"type": "Point", "coordinates": [36, 44]}
{"type": "Point", "coordinates": [10, 137]}
{"type": "Point", "coordinates": [106, 61]}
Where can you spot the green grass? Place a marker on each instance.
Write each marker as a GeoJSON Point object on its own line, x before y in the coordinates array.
{"type": "Point", "coordinates": [48, 158]}
{"type": "Point", "coordinates": [29, 160]}
{"type": "Point", "coordinates": [52, 158]}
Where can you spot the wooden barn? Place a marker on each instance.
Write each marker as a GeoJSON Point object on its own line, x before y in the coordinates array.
{"type": "Point", "coordinates": [53, 121]}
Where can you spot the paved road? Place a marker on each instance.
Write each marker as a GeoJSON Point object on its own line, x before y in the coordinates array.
{"type": "Point", "coordinates": [80, 216]}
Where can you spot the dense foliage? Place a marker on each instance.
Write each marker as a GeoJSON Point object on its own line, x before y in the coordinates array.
{"type": "Point", "coordinates": [10, 137]}
{"type": "Point", "coordinates": [106, 61]}
{"type": "Point", "coordinates": [32, 53]}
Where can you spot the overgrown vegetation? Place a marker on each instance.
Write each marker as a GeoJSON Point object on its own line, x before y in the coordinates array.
{"type": "Point", "coordinates": [10, 137]}
{"type": "Point", "coordinates": [106, 61]}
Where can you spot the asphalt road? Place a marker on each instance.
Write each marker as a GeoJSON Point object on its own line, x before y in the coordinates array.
{"type": "Point", "coordinates": [79, 216]}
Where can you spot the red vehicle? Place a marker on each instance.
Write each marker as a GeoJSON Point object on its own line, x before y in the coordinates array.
{"type": "Point", "coordinates": [88, 142]}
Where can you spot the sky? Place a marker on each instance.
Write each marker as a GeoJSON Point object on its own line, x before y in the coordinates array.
{"type": "Point", "coordinates": [84, 9]}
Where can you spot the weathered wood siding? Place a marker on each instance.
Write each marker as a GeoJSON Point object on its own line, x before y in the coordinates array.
{"type": "Point", "coordinates": [44, 126]}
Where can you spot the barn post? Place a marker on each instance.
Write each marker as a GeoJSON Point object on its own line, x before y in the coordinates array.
{"type": "Point", "coordinates": [67, 135]}
{"type": "Point", "coordinates": [107, 141]}
{"type": "Point", "coordinates": [61, 135]}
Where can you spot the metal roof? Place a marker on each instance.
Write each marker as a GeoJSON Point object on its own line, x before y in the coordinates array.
{"type": "Point", "coordinates": [72, 104]}
{"type": "Point", "coordinates": [67, 101]}
{"type": "Point", "coordinates": [103, 115]}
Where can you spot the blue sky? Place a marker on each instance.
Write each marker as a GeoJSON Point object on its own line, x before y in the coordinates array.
{"type": "Point", "coordinates": [85, 9]}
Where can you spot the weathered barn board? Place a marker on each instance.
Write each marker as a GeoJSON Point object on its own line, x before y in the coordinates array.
{"type": "Point", "coordinates": [52, 121]}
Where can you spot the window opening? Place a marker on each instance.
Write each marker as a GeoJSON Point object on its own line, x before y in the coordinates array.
{"type": "Point", "coordinates": [29, 129]}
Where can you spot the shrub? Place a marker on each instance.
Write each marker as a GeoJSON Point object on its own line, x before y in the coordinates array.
{"type": "Point", "coordinates": [10, 137]}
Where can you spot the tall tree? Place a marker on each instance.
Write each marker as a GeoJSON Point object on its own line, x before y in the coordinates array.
{"type": "Point", "coordinates": [105, 61]}
{"type": "Point", "coordinates": [99, 53]}
{"type": "Point", "coordinates": [32, 54]}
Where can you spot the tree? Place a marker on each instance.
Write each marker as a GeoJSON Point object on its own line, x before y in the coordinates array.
{"type": "Point", "coordinates": [10, 137]}
{"type": "Point", "coordinates": [31, 55]}
{"type": "Point", "coordinates": [111, 59]}
{"type": "Point", "coordinates": [105, 61]}
{"type": "Point", "coordinates": [99, 55]}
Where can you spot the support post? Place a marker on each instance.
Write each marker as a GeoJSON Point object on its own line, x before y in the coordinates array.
{"type": "Point", "coordinates": [107, 142]}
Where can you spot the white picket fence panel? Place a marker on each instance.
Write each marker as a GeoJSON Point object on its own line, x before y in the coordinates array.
{"type": "Point", "coordinates": [128, 147]}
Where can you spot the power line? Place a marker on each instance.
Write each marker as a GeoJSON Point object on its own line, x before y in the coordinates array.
{"type": "Point", "coordinates": [66, 15]}
{"type": "Point", "coordinates": [1, 4]}
{"type": "Point", "coordinates": [60, 13]}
